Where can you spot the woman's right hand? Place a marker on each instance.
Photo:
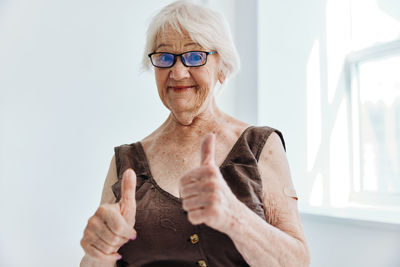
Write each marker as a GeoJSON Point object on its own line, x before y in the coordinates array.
{"type": "Point", "coordinates": [112, 224]}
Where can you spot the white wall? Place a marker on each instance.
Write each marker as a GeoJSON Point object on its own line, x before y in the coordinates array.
{"type": "Point", "coordinates": [351, 243]}
{"type": "Point", "coordinates": [70, 90]}
{"type": "Point", "coordinates": [302, 84]}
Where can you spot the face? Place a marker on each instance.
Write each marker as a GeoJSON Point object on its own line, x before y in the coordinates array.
{"type": "Point", "coordinates": [185, 91]}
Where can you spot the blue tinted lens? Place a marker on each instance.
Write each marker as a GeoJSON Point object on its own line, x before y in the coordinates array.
{"type": "Point", "coordinates": [194, 58]}
{"type": "Point", "coordinates": [163, 59]}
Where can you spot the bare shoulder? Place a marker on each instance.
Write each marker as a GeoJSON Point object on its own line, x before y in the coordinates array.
{"type": "Point", "coordinates": [273, 163]}
{"type": "Point", "coordinates": [234, 126]}
{"type": "Point", "coordinates": [273, 154]}
{"type": "Point", "coordinates": [108, 196]}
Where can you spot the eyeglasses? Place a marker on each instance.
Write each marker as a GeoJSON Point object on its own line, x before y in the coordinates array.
{"type": "Point", "coordinates": [189, 59]}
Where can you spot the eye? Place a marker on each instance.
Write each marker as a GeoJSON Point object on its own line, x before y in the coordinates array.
{"type": "Point", "coordinates": [162, 60]}
{"type": "Point", "coordinates": [166, 57]}
{"type": "Point", "coordinates": [194, 58]}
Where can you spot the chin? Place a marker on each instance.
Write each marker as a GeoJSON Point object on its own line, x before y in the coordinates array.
{"type": "Point", "coordinates": [185, 119]}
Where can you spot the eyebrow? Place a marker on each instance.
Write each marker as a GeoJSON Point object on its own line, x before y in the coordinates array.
{"type": "Point", "coordinates": [189, 44]}
{"type": "Point", "coordinates": [161, 45]}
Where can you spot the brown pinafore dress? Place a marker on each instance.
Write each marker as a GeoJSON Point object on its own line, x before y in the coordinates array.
{"type": "Point", "coordinates": [165, 237]}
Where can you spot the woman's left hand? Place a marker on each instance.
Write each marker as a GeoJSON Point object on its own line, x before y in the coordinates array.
{"type": "Point", "coordinates": [206, 196]}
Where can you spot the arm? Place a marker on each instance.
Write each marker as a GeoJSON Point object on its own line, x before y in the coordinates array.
{"type": "Point", "coordinates": [280, 241]}
{"type": "Point", "coordinates": [106, 197]}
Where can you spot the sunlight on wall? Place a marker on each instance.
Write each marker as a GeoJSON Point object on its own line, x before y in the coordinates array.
{"type": "Point", "coordinates": [317, 192]}
{"type": "Point", "coordinates": [339, 172]}
{"type": "Point", "coordinates": [338, 41]}
{"type": "Point", "coordinates": [371, 25]}
{"type": "Point", "coordinates": [379, 80]}
{"type": "Point", "coordinates": [313, 105]}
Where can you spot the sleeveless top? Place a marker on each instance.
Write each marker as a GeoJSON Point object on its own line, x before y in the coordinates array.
{"type": "Point", "coordinates": [165, 237]}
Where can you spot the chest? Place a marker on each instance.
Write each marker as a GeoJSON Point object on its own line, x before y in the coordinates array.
{"type": "Point", "coordinates": [169, 164]}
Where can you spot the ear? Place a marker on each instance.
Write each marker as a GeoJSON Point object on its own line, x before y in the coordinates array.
{"type": "Point", "coordinates": [221, 77]}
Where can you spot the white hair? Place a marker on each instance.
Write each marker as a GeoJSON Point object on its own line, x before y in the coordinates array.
{"type": "Point", "coordinates": [205, 26]}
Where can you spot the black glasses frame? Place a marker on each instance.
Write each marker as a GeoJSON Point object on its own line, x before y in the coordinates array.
{"type": "Point", "coordinates": [182, 59]}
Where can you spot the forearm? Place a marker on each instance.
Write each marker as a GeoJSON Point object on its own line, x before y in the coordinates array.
{"type": "Point", "coordinates": [262, 244]}
{"type": "Point", "coordinates": [87, 261]}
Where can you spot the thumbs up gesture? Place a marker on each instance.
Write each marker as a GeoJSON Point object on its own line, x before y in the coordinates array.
{"type": "Point", "coordinates": [206, 196]}
{"type": "Point", "coordinates": [112, 224]}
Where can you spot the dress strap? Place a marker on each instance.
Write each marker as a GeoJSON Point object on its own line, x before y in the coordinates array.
{"type": "Point", "coordinates": [130, 156]}
{"type": "Point", "coordinates": [248, 148]}
{"type": "Point", "coordinates": [258, 136]}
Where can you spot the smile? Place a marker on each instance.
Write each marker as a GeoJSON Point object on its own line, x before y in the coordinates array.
{"type": "Point", "coordinates": [180, 89]}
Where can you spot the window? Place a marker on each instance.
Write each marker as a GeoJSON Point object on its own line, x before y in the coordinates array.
{"type": "Point", "coordinates": [375, 102]}
{"type": "Point", "coordinates": [374, 72]}
{"type": "Point", "coordinates": [328, 77]}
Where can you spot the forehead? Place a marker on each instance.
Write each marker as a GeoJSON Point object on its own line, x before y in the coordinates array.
{"type": "Point", "coordinates": [173, 39]}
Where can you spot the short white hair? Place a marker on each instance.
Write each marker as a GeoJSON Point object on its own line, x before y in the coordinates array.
{"type": "Point", "coordinates": [206, 27]}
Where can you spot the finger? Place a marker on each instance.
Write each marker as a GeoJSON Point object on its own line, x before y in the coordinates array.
{"type": "Point", "coordinates": [195, 203]}
{"type": "Point", "coordinates": [198, 174]}
{"type": "Point", "coordinates": [208, 150]}
{"type": "Point", "coordinates": [128, 197]}
{"type": "Point", "coordinates": [189, 190]}
{"type": "Point", "coordinates": [97, 254]}
{"type": "Point", "coordinates": [191, 177]}
{"type": "Point", "coordinates": [202, 187]}
{"type": "Point", "coordinates": [98, 242]}
{"type": "Point", "coordinates": [103, 231]}
{"type": "Point", "coordinates": [114, 221]}
{"type": "Point", "coordinates": [196, 216]}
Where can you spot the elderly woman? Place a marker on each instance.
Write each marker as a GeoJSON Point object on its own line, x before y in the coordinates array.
{"type": "Point", "coordinates": [204, 189]}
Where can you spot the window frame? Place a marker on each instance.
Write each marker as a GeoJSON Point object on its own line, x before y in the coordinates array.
{"type": "Point", "coordinates": [353, 61]}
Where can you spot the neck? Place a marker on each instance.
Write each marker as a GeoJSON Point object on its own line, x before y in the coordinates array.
{"type": "Point", "coordinates": [205, 122]}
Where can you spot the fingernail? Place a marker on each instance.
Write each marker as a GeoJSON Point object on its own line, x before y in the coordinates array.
{"type": "Point", "coordinates": [134, 237]}
{"type": "Point", "coordinates": [119, 257]}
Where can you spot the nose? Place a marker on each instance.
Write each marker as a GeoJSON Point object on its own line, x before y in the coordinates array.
{"type": "Point", "coordinates": [179, 71]}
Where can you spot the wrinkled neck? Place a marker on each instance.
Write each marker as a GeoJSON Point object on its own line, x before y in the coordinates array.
{"type": "Point", "coordinates": [205, 122]}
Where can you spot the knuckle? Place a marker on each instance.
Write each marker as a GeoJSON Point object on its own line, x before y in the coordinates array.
{"type": "Point", "coordinates": [192, 217]}
{"type": "Point", "coordinates": [212, 185]}
{"type": "Point", "coordinates": [103, 234]}
{"type": "Point", "coordinates": [119, 229]}
{"type": "Point", "coordinates": [83, 243]}
{"type": "Point", "coordinates": [208, 170]}
{"type": "Point", "coordinates": [89, 232]}
{"type": "Point", "coordinates": [108, 249]}
{"type": "Point", "coordinates": [212, 211]}
{"type": "Point", "coordinates": [183, 180]}
{"type": "Point", "coordinates": [101, 210]}
{"type": "Point", "coordinates": [91, 223]}
{"type": "Point", "coordinates": [115, 241]}
{"type": "Point", "coordinates": [214, 198]}
{"type": "Point", "coordinates": [211, 171]}
{"type": "Point", "coordinates": [133, 232]}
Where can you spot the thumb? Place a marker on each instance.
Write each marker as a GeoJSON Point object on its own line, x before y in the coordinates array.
{"type": "Point", "coordinates": [208, 150]}
{"type": "Point", "coordinates": [128, 196]}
